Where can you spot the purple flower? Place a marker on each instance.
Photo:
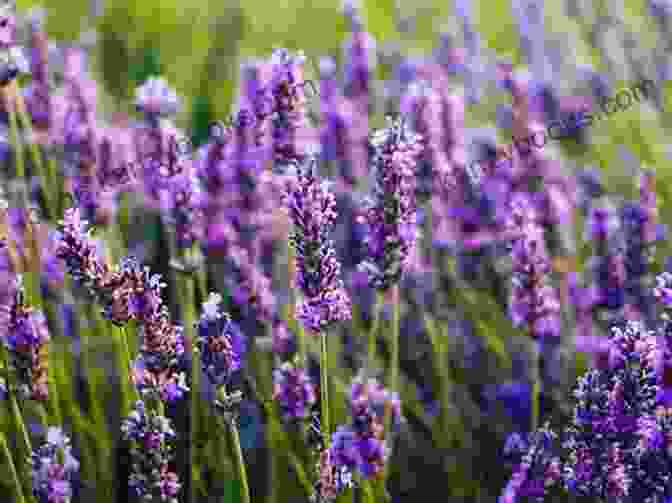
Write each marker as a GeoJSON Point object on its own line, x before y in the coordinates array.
{"type": "Point", "coordinates": [533, 301]}
{"type": "Point", "coordinates": [608, 262]}
{"type": "Point", "coordinates": [25, 334]}
{"type": "Point", "coordinates": [82, 261]}
{"type": "Point", "coordinates": [38, 92]}
{"type": "Point", "coordinates": [539, 467]}
{"type": "Point", "coordinates": [156, 98]}
{"type": "Point", "coordinates": [333, 478]}
{"type": "Point", "coordinates": [7, 26]}
{"type": "Point", "coordinates": [293, 391]}
{"type": "Point", "coordinates": [663, 289]}
{"type": "Point", "coordinates": [390, 214]}
{"type": "Point", "coordinates": [368, 401]}
{"type": "Point", "coordinates": [616, 439]}
{"type": "Point", "coordinates": [221, 344]}
{"type": "Point", "coordinates": [53, 468]}
{"type": "Point", "coordinates": [312, 210]}
{"type": "Point", "coordinates": [289, 114]}
{"type": "Point", "coordinates": [152, 436]}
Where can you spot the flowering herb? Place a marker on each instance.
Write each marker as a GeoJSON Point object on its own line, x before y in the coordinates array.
{"type": "Point", "coordinates": [391, 214]}
{"type": "Point", "coordinates": [53, 468]}
{"type": "Point", "coordinates": [221, 344]}
{"type": "Point", "coordinates": [312, 210]}
{"type": "Point", "coordinates": [151, 454]}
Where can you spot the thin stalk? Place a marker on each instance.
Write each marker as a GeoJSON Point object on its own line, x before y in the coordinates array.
{"type": "Point", "coordinates": [238, 451]}
{"type": "Point", "coordinates": [45, 175]}
{"type": "Point", "coordinates": [195, 422]}
{"type": "Point", "coordinates": [14, 131]}
{"type": "Point", "coordinates": [536, 384]}
{"type": "Point", "coordinates": [18, 418]}
{"type": "Point", "coordinates": [373, 332]}
{"type": "Point", "coordinates": [324, 389]}
{"type": "Point", "coordinates": [393, 377]}
{"type": "Point", "coordinates": [12, 469]}
{"type": "Point", "coordinates": [240, 461]}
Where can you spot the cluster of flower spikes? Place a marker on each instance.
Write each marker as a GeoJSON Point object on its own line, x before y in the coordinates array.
{"type": "Point", "coordinates": [617, 438]}
{"type": "Point", "coordinates": [362, 445]}
{"type": "Point", "coordinates": [220, 342]}
{"type": "Point", "coordinates": [312, 211]}
{"type": "Point", "coordinates": [294, 391]}
{"type": "Point", "coordinates": [53, 468]}
{"type": "Point", "coordinates": [24, 332]}
{"type": "Point", "coordinates": [151, 433]}
{"type": "Point", "coordinates": [127, 293]}
{"type": "Point", "coordinates": [391, 214]}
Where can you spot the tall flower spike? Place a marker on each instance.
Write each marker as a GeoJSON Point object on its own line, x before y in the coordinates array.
{"type": "Point", "coordinates": [533, 301]}
{"type": "Point", "coordinates": [152, 435]}
{"type": "Point", "coordinates": [391, 214]}
{"type": "Point", "coordinates": [538, 470]}
{"type": "Point", "coordinates": [221, 344]}
{"type": "Point", "coordinates": [293, 391]}
{"type": "Point", "coordinates": [53, 468]}
{"type": "Point", "coordinates": [25, 334]}
{"type": "Point", "coordinates": [312, 208]}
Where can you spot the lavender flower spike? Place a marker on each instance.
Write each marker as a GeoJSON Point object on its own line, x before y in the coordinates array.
{"type": "Point", "coordinates": [391, 213]}
{"type": "Point", "coordinates": [25, 334]}
{"type": "Point", "coordinates": [151, 433]}
{"type": "Point", "coordinates": [53, 467]}
{"type": "Point", "coordinates": [293, 391]}
{"type": "Point", "coordinates": [312, 210]}
{"type": "Point", "coordinates": [533, 302]}
{"type": "Point", "coordinates": [220, 342]}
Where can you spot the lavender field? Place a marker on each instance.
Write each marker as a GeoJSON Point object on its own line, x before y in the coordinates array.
{"type": "Point", "coordinates": [368, 252]}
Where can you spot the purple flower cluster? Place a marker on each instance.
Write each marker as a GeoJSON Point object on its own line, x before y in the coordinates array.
{"type": "Point", "coordinates": [152, 435]}
{"type": "Point", "coordinates": [363, 445]}
{"type": "Point", "coordinates": [294, 391]}
{"type": "Point", "coordinates": [312, 210]}
{"type": "Point", "coordinates": [391, 213]}
{"type": "Point", "coordinates": [539, 467]}
{"type": "Point", "coordinates": [289, 113]}
{"type": "Point", "coordinates": [24, 332]}
{"type": "Point", "coordinates": [533, 301]}
{"type": "Point", "coordinates": [129, 292]}
{"type": "Point", "coordinates": [608, 457]}
{"type": "Point", "coordinates": [53, 468]}
{"type": "Point", "coordinates": [220, 342]}
{"type": "Point", "coordinates": [617, 442]}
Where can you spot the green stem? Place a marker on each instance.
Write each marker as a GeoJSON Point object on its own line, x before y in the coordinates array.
{"type": "Point", "coordinates": [393, 379]}
{"type": "Point", "coordinates": [373, 332]}
{"type": "Point", "coordinates": [324, 389]}
{"type": "Point", "coordinates": [45, 175]}
{"type": "Point", "coordinates": [12, 469]}
{"type": "Point", "coordinates": [536, 384]}
{"type": "Point", "coordinates": [240, 461]}
{"type": "Point", "coordinates": [238, 451]}
{"type": "Point", "coordinates": [18, 418]}
{"type": "Point", "coordinates": [16, 143]}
